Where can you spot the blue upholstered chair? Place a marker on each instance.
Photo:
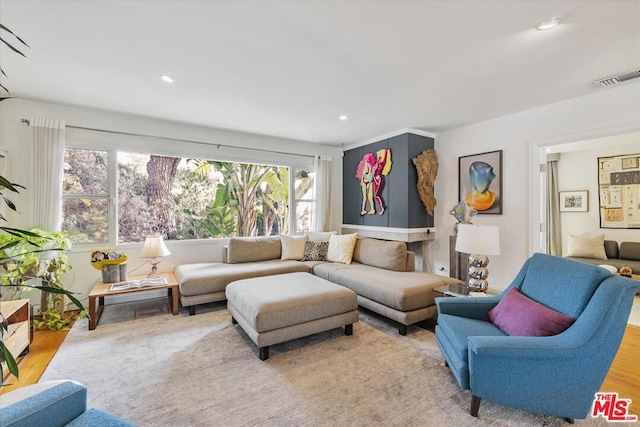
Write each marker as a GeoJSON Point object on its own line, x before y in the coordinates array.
{"type": "Point", "coordinates": [53, 404]}
{"type": "Point", "coordinates": [554, 375]}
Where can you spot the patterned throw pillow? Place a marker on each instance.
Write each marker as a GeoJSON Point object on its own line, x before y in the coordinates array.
{"type": "Point", "coordinates": [315, 251]}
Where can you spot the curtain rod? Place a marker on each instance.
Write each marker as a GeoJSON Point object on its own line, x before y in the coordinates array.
{"type": "Point", "coordinates": [115, 132]}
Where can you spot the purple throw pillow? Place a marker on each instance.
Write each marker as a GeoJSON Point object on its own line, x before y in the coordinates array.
{"type": "Point", "coordinates": [519, 315]}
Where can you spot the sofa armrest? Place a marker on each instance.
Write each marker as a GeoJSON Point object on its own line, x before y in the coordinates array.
{"type": "Point", "coordinates": [471, 308]}
{"type": "Point", "coordinates": [49, 407]}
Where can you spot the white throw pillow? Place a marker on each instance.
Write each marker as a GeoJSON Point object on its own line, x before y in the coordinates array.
{"type": "Point", "coordinates": [320, 236]}
{"type": "Point", "coordinates": [588, 246]}
{"type": "Point", "coordinates": [341, 248]}
{"type": "Point", "coordinates": [292, 247]}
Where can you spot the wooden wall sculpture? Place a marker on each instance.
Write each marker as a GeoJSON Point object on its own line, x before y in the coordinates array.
{"type": "Point", "coordinates": [427, 166]}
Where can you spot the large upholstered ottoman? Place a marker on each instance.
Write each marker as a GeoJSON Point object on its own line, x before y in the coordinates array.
{"type": "Point", "coordinates": [279, 308]}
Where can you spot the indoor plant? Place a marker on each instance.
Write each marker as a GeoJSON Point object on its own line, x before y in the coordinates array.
{"type": "Point", "coordinates": [16, 264]}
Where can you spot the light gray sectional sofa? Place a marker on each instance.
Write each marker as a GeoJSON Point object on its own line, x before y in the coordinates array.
{"type": "Point", "coordinates": [381, 273]}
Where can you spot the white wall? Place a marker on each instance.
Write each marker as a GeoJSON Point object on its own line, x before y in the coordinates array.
{"type": "Point", "coordinates": [517, 135]}
{"type": "Point", "coordinates": [577, 170]}
{"type": "Point", "coordinates": [16, 138]}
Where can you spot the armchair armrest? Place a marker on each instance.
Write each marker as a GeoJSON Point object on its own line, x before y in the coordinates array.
{"type": "Point", "coordinates": [471, 308]}
{"type": "Point", "coordinates": [48, 406]}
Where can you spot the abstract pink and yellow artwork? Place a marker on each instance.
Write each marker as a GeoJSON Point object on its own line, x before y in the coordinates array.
{"type": "Point", "coordinates": [371, 172]}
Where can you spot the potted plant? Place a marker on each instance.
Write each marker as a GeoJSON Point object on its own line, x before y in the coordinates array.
{"type": "Point", "coordinates": [21, 253]}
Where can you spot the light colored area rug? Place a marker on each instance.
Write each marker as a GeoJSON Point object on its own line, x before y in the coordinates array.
{"type": "Point", "coordinates": [156, 369]}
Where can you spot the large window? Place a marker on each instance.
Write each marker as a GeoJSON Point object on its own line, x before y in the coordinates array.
{"type": "Point", "coordinates": [85, 195]}
{"type": "Point", "coordinates": [133, 195]}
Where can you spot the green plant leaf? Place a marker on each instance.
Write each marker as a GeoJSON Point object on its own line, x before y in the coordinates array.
{"type": "Point", "coordinates": [9, 203]}
{"type": "Point", "coordinates": [11, 47]}
{"type": "Point", "coordinates": [4, 182]}
{"type": "Point", "coordinates": [2, 27]}
{"type": "Point", "coordinates": [6, 356]}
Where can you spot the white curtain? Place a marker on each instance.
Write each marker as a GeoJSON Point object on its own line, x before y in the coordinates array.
{"type": "Point", "coordinates": [554, 232]}
{"type": "Point", "coordinates": [323, 167]}
{"type": "Point", "coordinates": [48, 153]}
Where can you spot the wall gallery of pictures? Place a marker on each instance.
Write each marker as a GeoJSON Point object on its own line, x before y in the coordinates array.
{"type": "Point", "coordinates": [619, 189]}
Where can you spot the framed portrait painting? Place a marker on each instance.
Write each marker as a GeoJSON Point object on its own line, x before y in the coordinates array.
{"type": "Point", "coordinates": [574, 201]}
{"type": "Point", "coordinates": [480, 181]}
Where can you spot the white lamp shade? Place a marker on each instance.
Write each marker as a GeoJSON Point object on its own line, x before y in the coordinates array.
{"type": "Point", "coordinates": [154, 247]}
{"type": "Point", "coordinates": [478, 239]}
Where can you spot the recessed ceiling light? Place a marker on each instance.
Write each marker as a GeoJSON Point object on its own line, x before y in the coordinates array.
{"type": "Point", "coordinates": [343, 117]}
{"type": "Point", "coordinates": [549, 23]}
{"type": "Point", "coordinates": [168, 78]}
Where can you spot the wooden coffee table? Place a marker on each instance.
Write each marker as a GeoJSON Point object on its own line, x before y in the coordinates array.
{"type": "Point", "coordinates": [101, 290]}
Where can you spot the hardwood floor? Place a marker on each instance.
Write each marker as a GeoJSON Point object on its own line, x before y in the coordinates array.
{"type": "Point", "coordinates": [623, 377]}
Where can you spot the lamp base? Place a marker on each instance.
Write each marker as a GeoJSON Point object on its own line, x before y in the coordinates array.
{"type": "Point", "coordinates": [478, 272]}
{"type": "Point", "coordinates": [155, 274]}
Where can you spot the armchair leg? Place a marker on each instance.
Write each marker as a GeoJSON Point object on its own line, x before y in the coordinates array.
{"type": "Point", "coordinates": [570, 420]}
{"type": "Point", "coordinates": [475, 405]}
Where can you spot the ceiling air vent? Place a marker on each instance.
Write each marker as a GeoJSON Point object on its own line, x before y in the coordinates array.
{"type": "Point", "coordinates": [614, 80]}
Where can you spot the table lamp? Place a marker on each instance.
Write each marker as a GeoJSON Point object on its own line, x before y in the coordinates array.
{"type": "Point", "coordinates": [478, 241]}
{"type": "Point", "coordinates": [154, 249]}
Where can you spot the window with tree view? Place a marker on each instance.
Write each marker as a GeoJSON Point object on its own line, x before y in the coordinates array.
{"type": "Point", "coordinates": [180, 198]}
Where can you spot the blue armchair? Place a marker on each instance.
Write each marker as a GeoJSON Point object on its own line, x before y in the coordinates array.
{"type": "Point", "coordinates": [554, 375]}
{"type": "Point", "coordinates": [53, 404]}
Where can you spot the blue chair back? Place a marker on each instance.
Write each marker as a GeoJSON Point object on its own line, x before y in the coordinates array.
{"type": "Point", "coordinates": [563, 285]}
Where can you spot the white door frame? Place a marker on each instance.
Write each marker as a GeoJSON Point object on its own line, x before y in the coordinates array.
{"type": "Point", "coordinates": [535, 191]}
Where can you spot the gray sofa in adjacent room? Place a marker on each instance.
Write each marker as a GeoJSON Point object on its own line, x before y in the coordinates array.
{"type": "Point", "coordinates": [627, 254]}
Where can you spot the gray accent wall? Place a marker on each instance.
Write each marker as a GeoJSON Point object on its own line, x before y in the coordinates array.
{"type": "Point", "coordinates": [403, 206]}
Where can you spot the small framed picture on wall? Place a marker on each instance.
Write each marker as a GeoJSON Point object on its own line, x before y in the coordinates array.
{"type": "Point", "coordinates": [574, 201]}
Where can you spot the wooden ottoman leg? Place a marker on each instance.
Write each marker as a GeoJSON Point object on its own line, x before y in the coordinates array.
{"type": "Point", "coordinates": [402, 330]}
{"type": "Point", "coordinates": [264, 352]}
{"type": "Point", "coordinates": [348, 329]}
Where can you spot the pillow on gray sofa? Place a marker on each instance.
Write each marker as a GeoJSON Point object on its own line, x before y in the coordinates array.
{"type": "Point", "coordinates": [588, 246]}
{"type": "Point", "coordinates": [252, 249]}
{"type": "Point", "coordinates": [315, 251]}
{"type": "Point", "coordinates": [389, 255]}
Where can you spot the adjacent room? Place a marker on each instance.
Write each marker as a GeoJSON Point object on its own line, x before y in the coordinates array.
{"type": "Point", "coordinates": [353, 213]}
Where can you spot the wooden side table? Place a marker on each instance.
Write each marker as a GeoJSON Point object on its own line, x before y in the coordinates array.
{"type": "Point", "coordinates": [18, 336]}
{"type": "Point", "coordinates": [102, 290]}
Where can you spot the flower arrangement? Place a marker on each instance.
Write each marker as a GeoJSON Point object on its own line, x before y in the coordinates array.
{"type": "Point", "coordinates": [101, 258]}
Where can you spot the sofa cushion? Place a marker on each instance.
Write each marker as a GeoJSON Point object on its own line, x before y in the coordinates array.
{"type": "Point", "coordinates": [400, 290]}
{"type": "Point", "coordinates": [587, 246]}
{"type": "Point", "coordinates": [292, 247]}
{"type": "Point", "coordinates": [611, 249]}
{"type": "Point", "coordinates": [341, 248]}
{"type": "Point", "coordinates": [630, 251]}
{"type": "Point", "coordinates": [251, 249]}
{"type": "Point", "coordinates": [320, 236]}
{"type": "Point", "coordinates": [315, 251]}
{"type": "Point", "coordinates": [568, 296]}
{"type": "Point", "coordinates": [518, 315]}
{"type": "Point", "coordinates": [380, 253]}
{"type": "Point", "coordinates": [206, 278]}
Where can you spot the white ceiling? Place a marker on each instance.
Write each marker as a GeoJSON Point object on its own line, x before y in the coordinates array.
{"type": "Point", "coordinates": [289, 69]}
